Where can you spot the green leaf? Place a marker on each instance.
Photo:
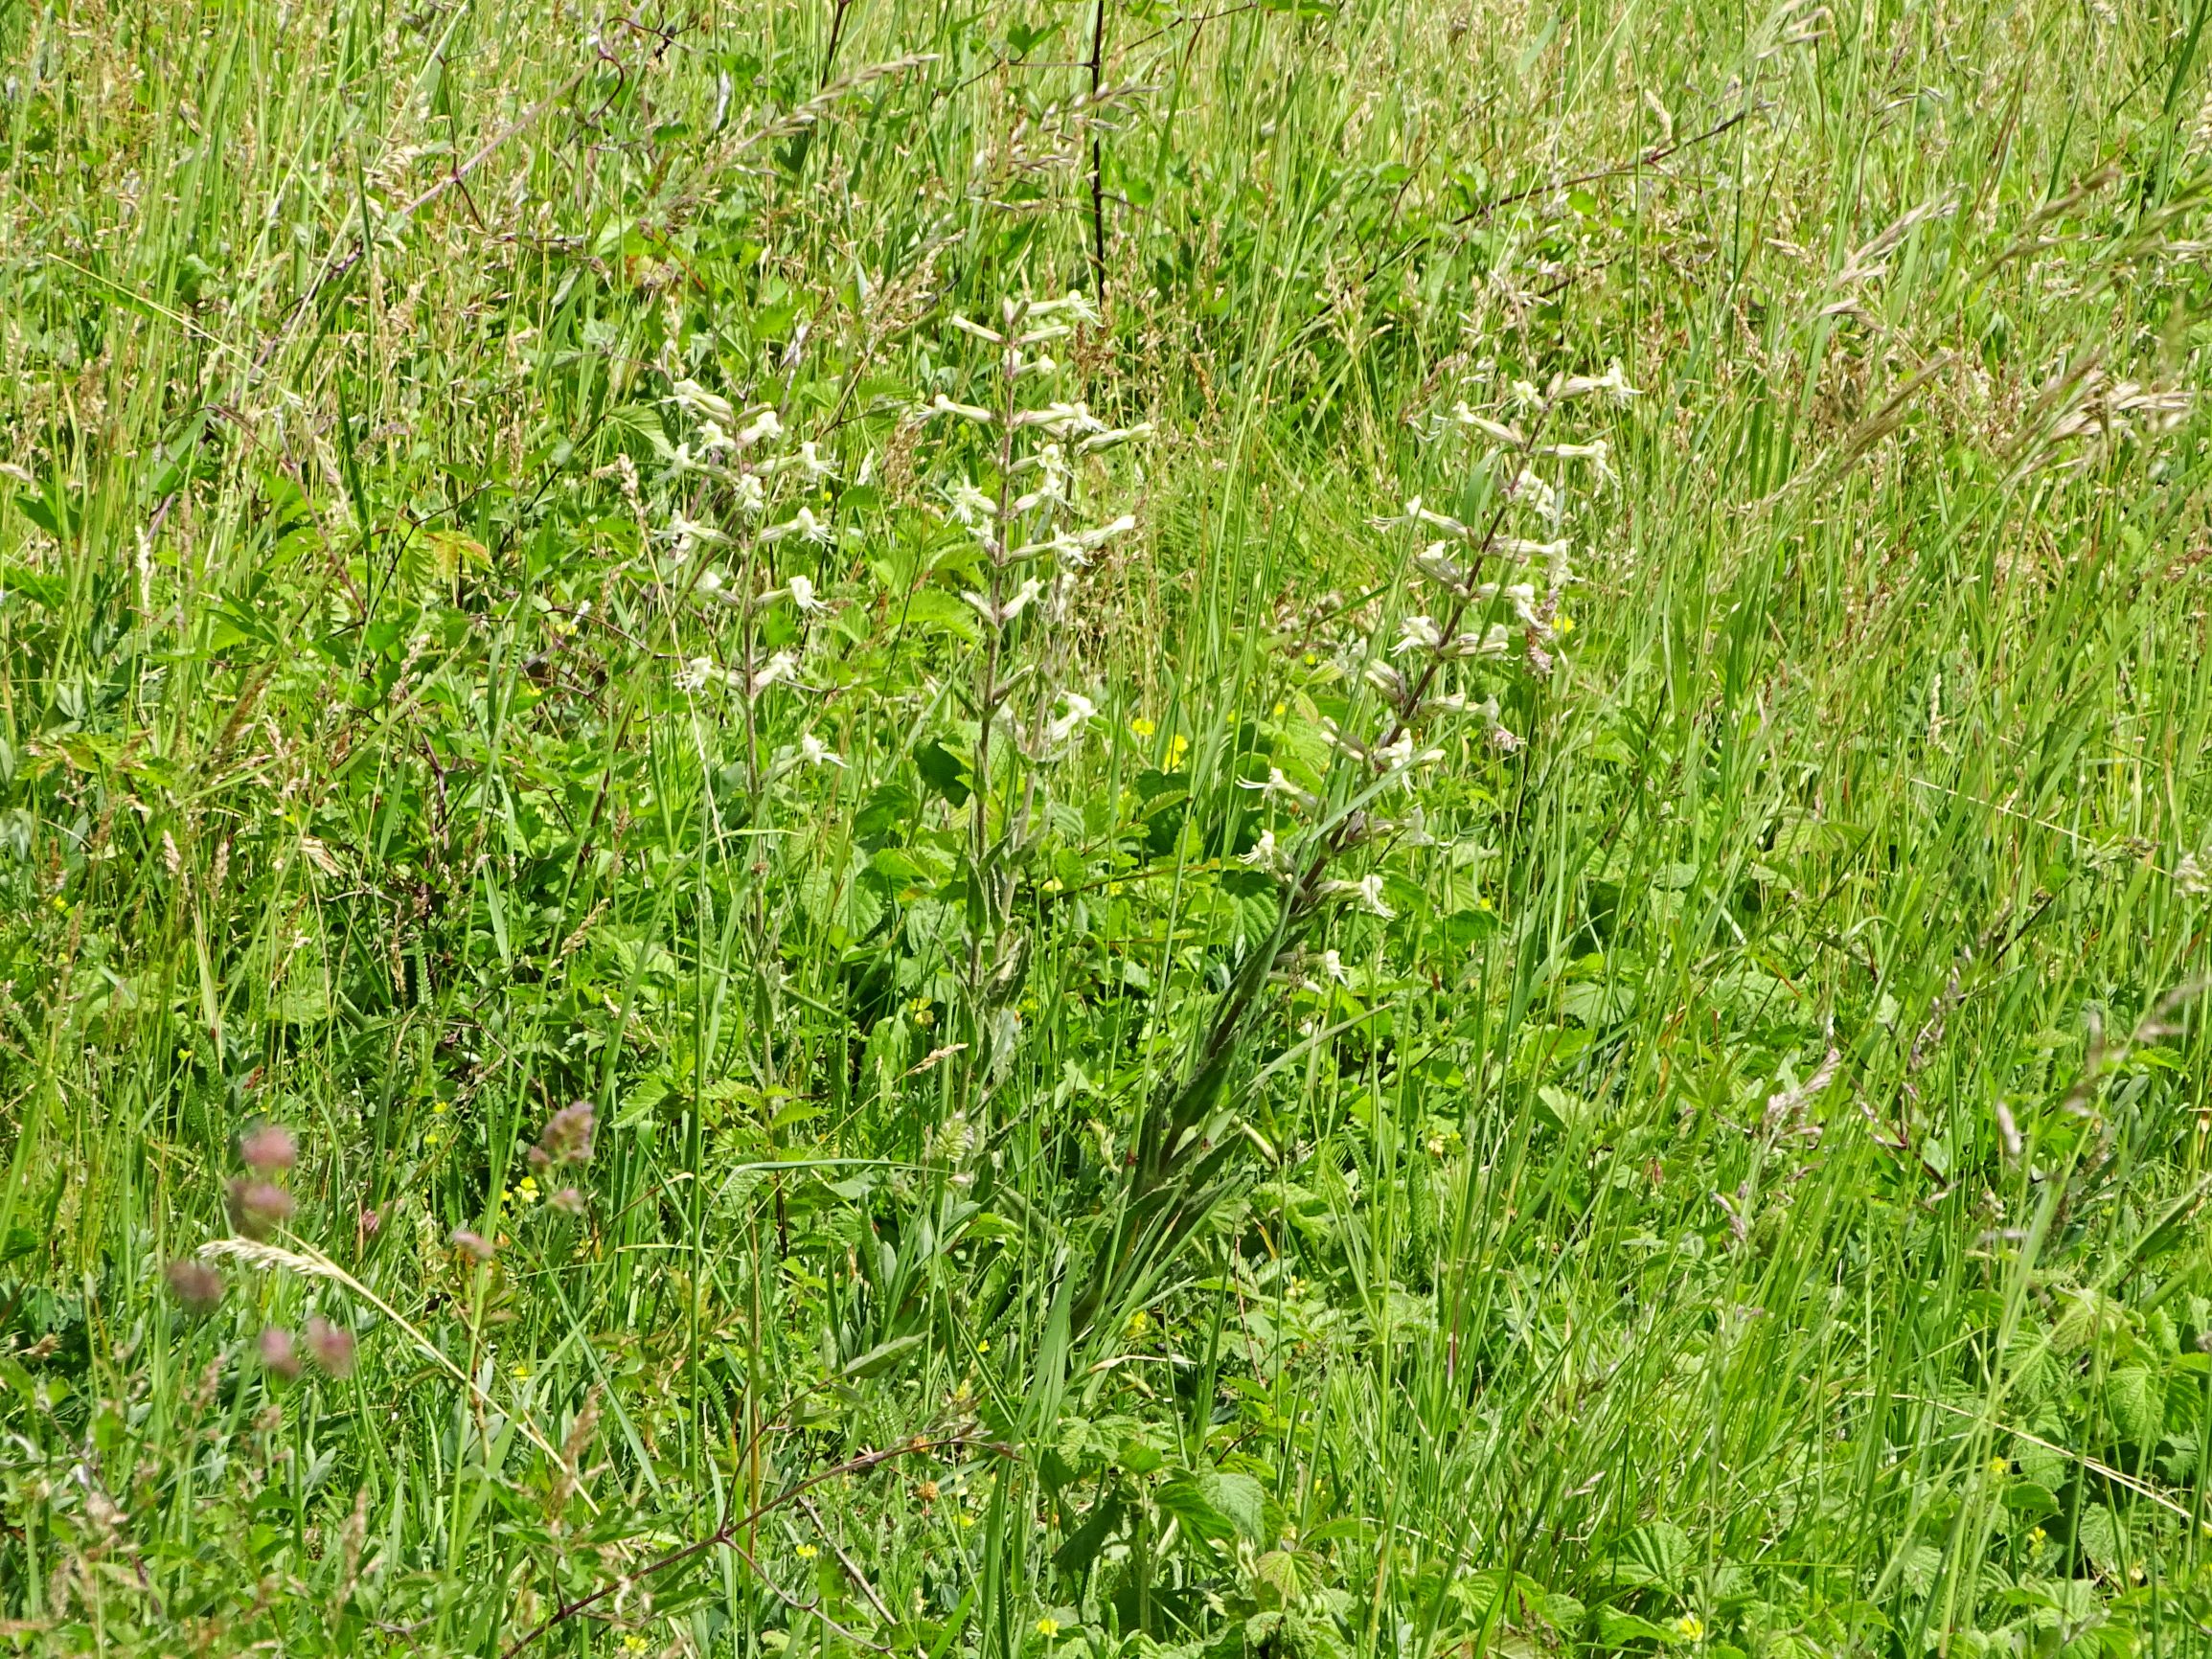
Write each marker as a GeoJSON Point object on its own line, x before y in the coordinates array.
{"type": "Point", "coordinates": [944, 771]}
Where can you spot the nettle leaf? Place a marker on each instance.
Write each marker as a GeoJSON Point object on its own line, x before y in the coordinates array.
{"type": "Point", "coordinates": [1654, 1555]}
{"type": "Point", "coordinates": [2135, 1400]}
{"type": "Point", "coordinates": [1213, 1505]}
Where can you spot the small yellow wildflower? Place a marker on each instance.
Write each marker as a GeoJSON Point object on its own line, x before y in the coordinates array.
{"type": "Point", "coordinates": [1178, 747]}
{"type": "Point", "coordinates": [1999, 1468]}
{"type": "Point", "coordinates": [439, 1109]}
{"type": "Point", "coordinates": [1564, 622]}
{"type": "Point", "coordinates": [967, 1519]}
{"type": "Point", "coordinates": [633, 1643]}
{"type": "Point", "coordinates": [2036, 1536]}
{"type": "Point", "coordinates": [520, 1372]}
{"type": "Point", "coordinates": [1277, 711]}
{"type": "Point", "coordinates": [1048, 1626]}
{"type": "Point", "coordinates": [1142, 727]}
{"type": "Point", "coordinates": [1140, 1322]}
{"type": "Point", "coordinates": [983, 1347]}
{"type": "Point", "coordinates": [527, 1191]}
{"type": "Point", "coordinates": [1691, 1627]}
{"type": "Point", "coordinates": [807, 1552]}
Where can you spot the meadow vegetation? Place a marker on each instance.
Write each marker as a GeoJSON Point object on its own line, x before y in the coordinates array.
{"type": "Point", "coordinates": [1064, 831]}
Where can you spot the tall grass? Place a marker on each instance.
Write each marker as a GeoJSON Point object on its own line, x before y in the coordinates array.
{"type": "Point", "coordinates": [518, 641]}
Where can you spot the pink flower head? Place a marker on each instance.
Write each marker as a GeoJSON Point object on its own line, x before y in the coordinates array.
{"type": "Point", "coordinates": [259, 1208]}
{"type": "Point", "coordinates": [566, 1138]}
{"type": "Point", "coordinates": [269, 1150]}
{"type": "Point", "coordinates": [329, 1347]}
{"type": "Point", "coordinates": [279, 1353]}
{"type": "Point", "coordinates": [471, 1244]}
{"type": "Point", "coordinates": [197, 1287]}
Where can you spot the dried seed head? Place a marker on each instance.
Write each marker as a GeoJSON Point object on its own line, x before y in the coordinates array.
{"type": "Point", "coordinates": [197, 1287]}
{"type": "Point", "coordinates": [279, 1354]}
{"type": "Point", "coordinates": [269, 1150]}
{"type": "Point", "coordinates": [329, 1347]}
{"type": "Point", "coordinates": [259, 1208]}
{"type": "Point", "coordinates": [566, 1138]}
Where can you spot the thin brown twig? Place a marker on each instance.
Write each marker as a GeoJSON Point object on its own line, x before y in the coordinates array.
{"type": "Point", "coordinates": [734, 1524]}
{"type": "Point", "coordinates": [852, 1568]}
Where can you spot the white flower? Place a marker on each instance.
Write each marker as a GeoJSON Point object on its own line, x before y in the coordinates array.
{"type": "Point", "coordinates": [697, 675]}
{"type": "Point", "coordinates": [1612, 383]}
{"type": "Point", "coordinates": [686, 535]}
{"type": "Point", "coordinates": [802, 524]}
{"type": "Point", "coordinates": [752, 499]}
{"type": "Point", "coordinates": [767, 423]}
{"type": "Point", "coordinates": [1417, 633]}
{"type": "Point", "coordinates": [1333, 964]}
{"type": "Point", "coordinates": [1079, 711]}
{"type": "Point", "coordinates": [1112, 436]}
{"type": "Point", "coordinates": [1072, 306]}
{"type": "Point", "coordinates": [1535, 492]}
{"type": "Point", "coordinates": [999, 615]}
{"type": "Point", "coordinates": [1061, 420]}
{"type": "Point", "coordinates": [1278, 785]}
{"type": "Point", "coordinates": [940, 404]}
{"type": "Point", "coordinates": [802, 592]}
{"type": "Point", "coordinates": [1435, 562]}
{"type": "Point", "coordinates": [969, 504]}
{"type": "Point", "coordinates": [1264, 854]}
{"type": "Point", "coordinates": [1598, 452]}
{"type": "Point", "coordinates": [777, 669]}
{"type": "Point", "coordinates": [712, 439]}
{"type": "Point", "coordinates": [816, 753]}
{"type": "Point", "coordinates": [810, 463]}
{"type": "Point", "coordinates": [2191, 876]}
{"type": "Point", "coordinates": [696, 401]}
{"type": "Point", "coordinates": [1488, 427]}
{"type": "Point", "coordinates": [1366, 893]}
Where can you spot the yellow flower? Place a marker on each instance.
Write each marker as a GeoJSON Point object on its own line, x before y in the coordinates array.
{"type": "Point", "coordinates": [1143, 727]}
{"type": "Point", "coordinates": [967, 1519]}
{"type": "Point", "coordinates": [1691, 1627]}
{"type": "Point", "coordinates": [1178, 747]}
{"type": "Point", "coordinates": [439, 1109]}
{"type": "Point", "coordinates": [1565, 623]}
{"type": "Point", "coordinates": [1999, 1468]}
{"type": "Point", "coordinates": [807, 1552]}
{"type": "Point", "coordinates": [2036, 1536]}
{"type": "Point", "coordinates": [520, 1372]}
{"type": "Point", "coordinates": [1277, 711]}
{"type": "Point", "coordinates": [1048, 1626]}
{"type": "Point", "coordinates": [633, 1643]}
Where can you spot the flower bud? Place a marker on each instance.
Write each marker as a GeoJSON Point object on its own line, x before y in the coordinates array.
{"type": "Point", "coordinates": [269, 1150]}
{"type": "Point", "coordinates": [259, 1208]}
{"type": "Point", "coordinates": [329, 1347]}
{"type": "Point", "coordinates": [197, 1287]}
{"type": "Point", "coordinates": [279, 1354]}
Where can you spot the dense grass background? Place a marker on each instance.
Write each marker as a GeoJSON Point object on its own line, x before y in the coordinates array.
{"type": "Point", "coordinates": [1746, 1198]}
